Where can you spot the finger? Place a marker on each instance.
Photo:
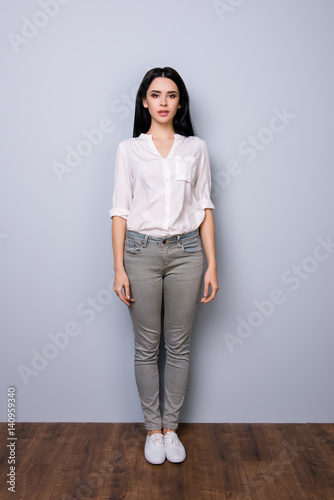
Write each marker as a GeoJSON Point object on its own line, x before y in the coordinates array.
{"type": "Point", "coordinates": [206, 299]}
{"type": "Point", "coordinates": [205, 291]}
{"type": "Point", "coordinates": [122, 297]}
{"type": "Point", "coordinates": [211, 296]}
{"type": "Point", "coordinates": [127, 293]}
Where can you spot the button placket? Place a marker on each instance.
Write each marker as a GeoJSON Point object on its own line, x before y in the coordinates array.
{"type": "Point", "coordinates": [166, 170]}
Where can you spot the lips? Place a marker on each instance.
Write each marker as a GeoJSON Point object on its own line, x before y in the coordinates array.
{"type": "Point", "coordinates": [163, 113]}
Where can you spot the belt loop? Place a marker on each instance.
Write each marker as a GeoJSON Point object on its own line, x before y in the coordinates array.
{"type": "Point", "coordinates": [178, 241]}
{"type": "Point", "coordinates": [145, 240]}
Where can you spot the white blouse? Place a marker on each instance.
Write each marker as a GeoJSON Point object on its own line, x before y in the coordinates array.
{"type": "Point", "coordinates": [162, 196]}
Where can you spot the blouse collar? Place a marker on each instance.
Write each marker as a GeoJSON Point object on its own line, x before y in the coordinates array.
{"type": "Point", "coordinates": [152, 147]}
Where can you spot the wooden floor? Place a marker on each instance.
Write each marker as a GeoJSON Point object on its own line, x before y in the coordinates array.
{"type": "Point", "coordinates": [64, 461]}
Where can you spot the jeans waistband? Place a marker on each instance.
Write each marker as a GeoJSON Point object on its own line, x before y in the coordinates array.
{"type": "Point", "coordinates": [164, 239]}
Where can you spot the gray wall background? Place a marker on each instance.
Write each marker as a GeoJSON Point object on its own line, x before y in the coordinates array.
{"type": "Point", "coordinates": [260, 78]}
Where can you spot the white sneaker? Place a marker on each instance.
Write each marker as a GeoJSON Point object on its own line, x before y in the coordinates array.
{"type": "Point", "coordinates": [155, 448]}
{"type": "Point", "coordinates": [175, 451]}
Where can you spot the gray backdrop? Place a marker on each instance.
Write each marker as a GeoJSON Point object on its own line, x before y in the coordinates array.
{"type": "Point", "coordinates": [260, 79]}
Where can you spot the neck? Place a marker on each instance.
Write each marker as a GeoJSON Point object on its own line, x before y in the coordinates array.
{"type": "Point", "coordinates": [159, 131]}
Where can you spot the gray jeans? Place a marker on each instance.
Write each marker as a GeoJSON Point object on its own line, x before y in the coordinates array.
{"type": "Point", "coordinates": [163, 273]}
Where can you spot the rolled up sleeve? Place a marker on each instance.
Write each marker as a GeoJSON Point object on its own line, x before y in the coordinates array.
{"type": "Point", "coordinates": [202, 190]}
{"type": "Point", "coordinates": [122, 196]}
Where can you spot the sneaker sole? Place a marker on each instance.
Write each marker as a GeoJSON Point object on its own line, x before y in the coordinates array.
{"type": "Point", "coordinates": [154, 463]}
{"type": "Point", "coordinates": [176, 461]}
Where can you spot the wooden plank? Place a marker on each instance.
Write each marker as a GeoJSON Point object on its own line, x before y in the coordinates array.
{"type": "Point", "coordinates": [324, 436]}
{"type": "Point", "coordinates": [265, 463]}
{"type": "Point", "coordinates": [306, 459]}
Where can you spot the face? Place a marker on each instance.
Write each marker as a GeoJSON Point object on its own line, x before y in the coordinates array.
{"type": "Point", "coordinates": [162, 100]}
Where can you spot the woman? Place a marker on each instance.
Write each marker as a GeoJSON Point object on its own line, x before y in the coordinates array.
{"type": "Point", "coordinates": [161, 215]}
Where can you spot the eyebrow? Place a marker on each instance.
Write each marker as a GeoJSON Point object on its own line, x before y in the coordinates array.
{"type": "Point", "coordinates": [169, 91]}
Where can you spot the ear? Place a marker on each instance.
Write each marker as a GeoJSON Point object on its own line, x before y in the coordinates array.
{"type": "Point", "coordinates": [144, 101]}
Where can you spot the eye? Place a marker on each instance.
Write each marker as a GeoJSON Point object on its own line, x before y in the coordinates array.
{"type": "Point", "coordinates": [172, 96]}
{"type": "Point", "coordinates": [155, 95]}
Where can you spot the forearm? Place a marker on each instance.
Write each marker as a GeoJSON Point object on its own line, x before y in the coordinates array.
{"type": "Point", "coordinates": [118, 231]}
{"type": "Point", "coordinates": [207, 232]}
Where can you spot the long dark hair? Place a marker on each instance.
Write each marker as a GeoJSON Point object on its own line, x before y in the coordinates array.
{"type": "Point", "coordinates": [182, 121]}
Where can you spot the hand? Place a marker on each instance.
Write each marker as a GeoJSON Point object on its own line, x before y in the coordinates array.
{"type": "Point", "coordinates": [210, 278]}
{"type": "Point", "coordinates": [122, 281]}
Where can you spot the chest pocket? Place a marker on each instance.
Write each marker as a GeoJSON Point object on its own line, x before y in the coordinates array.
{"type": "Point", "coordinates": [186, 168]}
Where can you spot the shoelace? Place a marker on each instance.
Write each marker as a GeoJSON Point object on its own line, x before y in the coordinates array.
{"type": "Point", "coordinates": [156, 439]}
{"type": "Point", "coordinates": [172, 438]}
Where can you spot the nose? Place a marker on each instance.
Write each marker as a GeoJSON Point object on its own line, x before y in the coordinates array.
{"type": "Point", "coordinates": [163, 101]}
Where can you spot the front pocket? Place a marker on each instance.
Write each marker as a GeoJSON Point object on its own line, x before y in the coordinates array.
{"type": "Point", "coordinates": [132, 247]}
{"type": "Point", "coordinates": [192, 246]}
{"type": "Point", "coordinates": [185, 168]}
